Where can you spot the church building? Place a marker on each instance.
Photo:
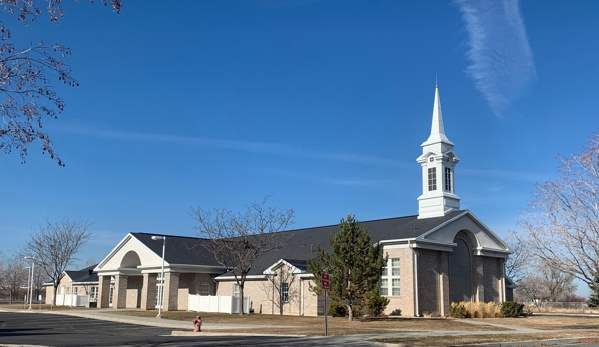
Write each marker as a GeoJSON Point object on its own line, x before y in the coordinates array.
{"type": "Point", "coordinates": [442, 255]}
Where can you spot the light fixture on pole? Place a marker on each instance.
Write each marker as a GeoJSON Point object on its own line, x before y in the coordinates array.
{"type": "Point", "coordinates": [161, 288]}
{"type": "Point", "coordinates": [31, 286]}
{"type": "Point", "coordinates": [28, 279]}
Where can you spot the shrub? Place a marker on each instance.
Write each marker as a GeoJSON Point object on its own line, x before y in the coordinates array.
{"type": "Point", "coordinates": [458, 310]}
{"type": "Point", "coordinates": [511, 309]}
{"type": "Point", "coordinates": [396, 312]}
{"type": "Point", "coordinates": [337, 310]}
{"type": "Point", "coordinates": [375, 304]}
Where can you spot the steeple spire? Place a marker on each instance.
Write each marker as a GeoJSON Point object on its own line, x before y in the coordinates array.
{"type": "Point", "coordinates": [437, 128]}
{"type": "Point", "coordinates": [438, 164]}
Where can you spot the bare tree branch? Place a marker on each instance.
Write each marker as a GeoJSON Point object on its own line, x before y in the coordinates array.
{"type": "Point", "coordinates": [26, 94]}
{"type": "Point", "coordinates": [55, 246]}
{"type": "Point", "coordinates": [238, 239]}
{"type": "Point", "coordinates": [562, 222]}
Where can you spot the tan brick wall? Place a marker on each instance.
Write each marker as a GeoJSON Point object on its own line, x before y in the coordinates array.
{"type": "Point", "coordinates": [492, 269]}
{"type": "Point", "coordinates": [310, 299]}
{"type": "Point", "coordinates": [148, 296]}
{"type": "Point", "coordinates": [104, 292]}
{"type": "Point", "coordinates": [49, 294]}
{"type": "Point", "coordinates": [134, 291]}
{"type": "Point", "coordinates": [119, 296]}
{"type": "Point", "coordinates": [405, 301]}
{"type": "Point", "coordinates": [432, 278]}
{"type": "Point", "coordinates": [182, 299]}
{"type": "Point", "coordinates": [171, 291]}
{"type": "Point", "coordinates": [261, 296]}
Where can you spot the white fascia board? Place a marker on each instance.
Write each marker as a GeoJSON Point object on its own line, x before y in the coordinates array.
{"type": "Point", "coordinates": [279, 263]}
{"type": "Point", "coordinates": [84, 283]}
{"type": "Point", "coordinates": [487, 229]}
{"type": "Point", "coordinates": [442, 225]}
{"type": "Point", "coordinates": [183, 268]}
{"type": "Point", "coordinates": [113, 252]}
{"type": "Point", "coordinates": [417, 243]}
{"type": "Point", "coordinates": [495, 253]}
{"type": "Point", "coordinates": [232, 278]}
{"type": "Point", "coordinates": [305, 275]}
{"type": "Point", "coordinates": [386, 243]}
{"type": "Point", "coordinates": [116, 272]}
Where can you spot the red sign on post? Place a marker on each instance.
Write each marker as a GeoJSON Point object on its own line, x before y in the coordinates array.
{"type": "Point", "coordinates": [324, 281]}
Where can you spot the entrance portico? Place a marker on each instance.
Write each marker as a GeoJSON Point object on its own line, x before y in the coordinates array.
{"type": "Point", "coordinates": [130, 275]}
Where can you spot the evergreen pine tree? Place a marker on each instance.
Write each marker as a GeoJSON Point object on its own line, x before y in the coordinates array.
{"type": "Point", "coordinates": [593, 301]}
{"type": "Point", "coordinates": [355, 267]}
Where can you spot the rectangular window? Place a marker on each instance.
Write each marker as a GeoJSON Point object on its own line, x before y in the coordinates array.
{"type": "Point", "coordinates": [432, 179]}
{"type": "Point", "coordinates": [236, 290]}
{"type": "Point", "coordinates": [384, 291]}
{"type": "Point", "coordinates": [390, 279]}
{"type": "Point", "coordinates": [75, 290]}
{"type": "Point", "coordinates": [205, 289]}
{"type": "Point", "coordinates": [448, 179]}
{"type": "Point", "coordinates": [94, 293]}
{"type": "Point", "coordinates": [110, 292]}
{"type": "Point", "coordinates": [284, 292]}
{"type": "Point", "coordinates": [68, 290]}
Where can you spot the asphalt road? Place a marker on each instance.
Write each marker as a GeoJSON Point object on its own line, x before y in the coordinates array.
{"type": "Point", "coordinates": [61, 330]}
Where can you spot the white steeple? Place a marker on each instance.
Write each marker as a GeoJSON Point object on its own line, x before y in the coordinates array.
{"type": "Point", "coordinates": [438, 162]}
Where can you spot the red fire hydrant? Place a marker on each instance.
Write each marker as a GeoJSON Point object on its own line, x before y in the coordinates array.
{"type": "Point", "coordinates": [197, 324]}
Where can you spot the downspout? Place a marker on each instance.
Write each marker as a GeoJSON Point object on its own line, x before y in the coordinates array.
{"type": "Point", "coordinates": [302, 297]}
{"type": "Point", "coordinates": [415, 259]}
{"type": "Point", "coordinates": [503, 295]}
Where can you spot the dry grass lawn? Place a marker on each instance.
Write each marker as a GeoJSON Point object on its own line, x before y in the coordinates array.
{"type": "Point", "coordinates": [315, 325]}
{"type": "Point", "coordinates": [586, 336]}
{"type": "Point", "coordinates": [547, 322]}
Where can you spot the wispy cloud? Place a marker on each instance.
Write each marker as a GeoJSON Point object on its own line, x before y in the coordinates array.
{"type": "Point", "coordinates": [502, 60]}
{"type": "Point", "coordinates": [270, 148]}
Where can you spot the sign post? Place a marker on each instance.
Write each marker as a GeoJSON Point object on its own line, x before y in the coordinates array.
{"type": "Point", "coordinates": [326, 285]}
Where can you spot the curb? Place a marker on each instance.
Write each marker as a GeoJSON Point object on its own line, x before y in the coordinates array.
{"type": "Point", "coordinates": [192, 333]}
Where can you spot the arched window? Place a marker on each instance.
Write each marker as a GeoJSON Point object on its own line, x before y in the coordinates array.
{"type": "Point", "coordinates": [460, 282]}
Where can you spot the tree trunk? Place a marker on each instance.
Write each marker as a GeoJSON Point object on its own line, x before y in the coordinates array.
{"type": "Point", "coordinates": [55, 294]}
{"type": "Point", "coordinates": [350, 313]}
{"type": "Point", "coordinates": [241, 311]}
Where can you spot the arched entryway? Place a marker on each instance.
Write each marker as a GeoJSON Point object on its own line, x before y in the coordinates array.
{"type": "Point", "coordinates": [460, 262]}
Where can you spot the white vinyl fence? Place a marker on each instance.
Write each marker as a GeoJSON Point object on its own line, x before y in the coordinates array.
{"type": "Point", "coordinates": [221, 304]}
{"type": "Point", "coordinates": [71, 300]}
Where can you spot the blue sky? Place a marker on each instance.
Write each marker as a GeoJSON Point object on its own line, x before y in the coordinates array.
{"type": "Point", "coordinates": [323, 103]}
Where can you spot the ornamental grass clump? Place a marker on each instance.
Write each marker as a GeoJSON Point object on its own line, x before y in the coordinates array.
{"type": "Point", "coordinates": [475, 310]}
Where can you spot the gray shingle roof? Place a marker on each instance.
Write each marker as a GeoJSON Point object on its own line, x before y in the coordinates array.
{"type": "Point", "coordinates": [180, 249]}
{"type": "Point", "coordinates": [83, 275]}
{"type": "Point", "coordinates": [302, 243]}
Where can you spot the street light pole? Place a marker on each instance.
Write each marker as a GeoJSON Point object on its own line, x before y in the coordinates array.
{"type": "Point", "coordinates": [31, 286]}
{"type": "Point", "coordinates": [28, 279]}
{"type": "Point", "coordinates": [161, 288]}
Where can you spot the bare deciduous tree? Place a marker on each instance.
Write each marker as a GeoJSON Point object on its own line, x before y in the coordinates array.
{"type": "Point", "coordinates": [14, 276]}
{"type": "Point", "coordinates": [238, 239]}
{"type": "Point", "coordinates": [55, 245]}
{"type": "Point", "coordinates": [517, 264]}
{"type": "Point", "coordinates": [547, 284]}
{"type": "Point", "coordinates": [26, 95]}
{"type": "Point", "coordinates": [562, 223]}
{"type": "Point", "coordinates": [280, 288]}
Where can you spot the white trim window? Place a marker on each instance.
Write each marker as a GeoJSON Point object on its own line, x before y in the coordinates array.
{"type": "Point", "coordinates": [390, 284]}
{"type": "Point", "coordinates": [94, 293]}
{"type": "Point", "coordinates": [205, 289]}
{"type": "Point", "coordinates": [236, 290]}
{"type": "Point", "coordinates": [284, 292]}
